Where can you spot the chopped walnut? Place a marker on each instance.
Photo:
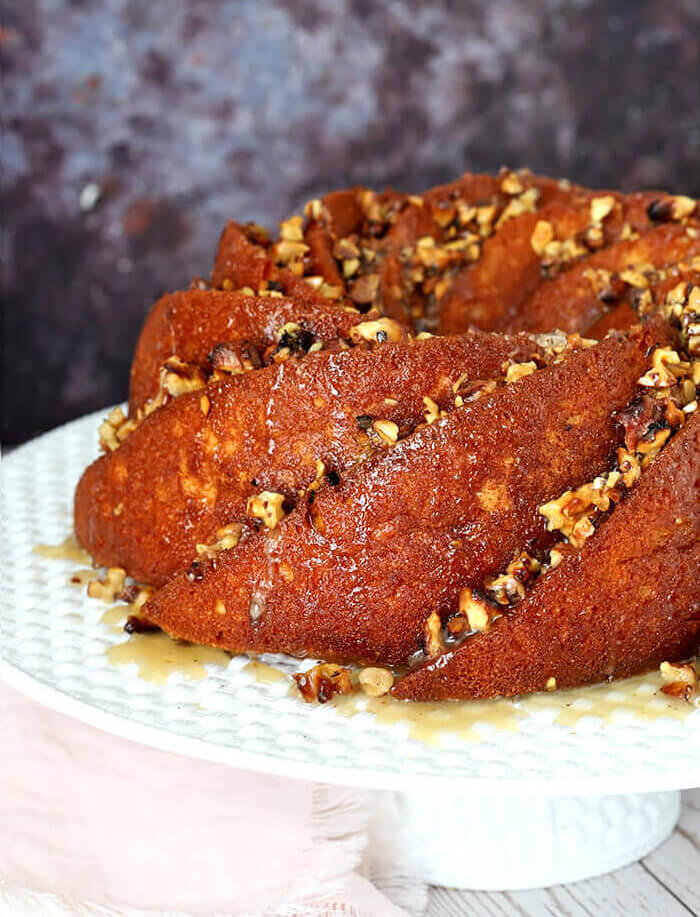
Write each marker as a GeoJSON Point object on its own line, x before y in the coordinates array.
{"type": "Point", "coordinates": [109, 587]}
{"type": "Point", "coordinates": [674, 208]}
{"type": "Point", "coordinates": [666, 368]}
{"type": "Point", "coordinates": [375, 682]}
{"type": "Point", "coordinates": [475, 610]}
{"type": "Point", "coordinates": [364, 290]}
{"type": "Point", "coordinates": [601, 207]}
{"type": "Point", "coordinates": [432, 636]}
{"type": "Point", "coordinates": [235, 357]}
{"type": "Point", "coordinates": [432, 411]}
{"type": "Point", "coordinates": [227, 537]}
{"type": "Point", "coordinates": [511, 184]}
{"type": "Point", "coordinates": [322, 682]}
{"type": "Point", "coordinates": [178, 378]}
{"type": "Point", "coordinates": [518, 371]}
{"type": "Point", "coordinates": [267, 506]}
{"type": "Point", "coordinates": [680, 680]}
{"type": "Point", "coordinates": [551, 684]}
{"type": "Point", "coordinates": [114, 429]}
{"type": "Point", "coordinates": [542, 235]}
{"type": "Point", "coordinates": [387, 431]}
{"type": "Point", "coordinates": [379, 331]}
{"type": "Point", "coordinates": [291, 229]}
{"type": "Point", "coordinates": [509, 587]}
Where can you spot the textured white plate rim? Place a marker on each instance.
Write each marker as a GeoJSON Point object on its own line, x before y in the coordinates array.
{"type": "Point", "coordinates": [164, 740]}
{"type": "Point", "coordinates": [601, 784]}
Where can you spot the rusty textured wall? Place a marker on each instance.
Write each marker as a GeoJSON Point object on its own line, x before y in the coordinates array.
{"type": "Point", "coordinates": [134, 128]}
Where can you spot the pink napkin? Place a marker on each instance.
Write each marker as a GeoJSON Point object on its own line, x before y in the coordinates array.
{"type": "Point", "coordinates": [90, 817]}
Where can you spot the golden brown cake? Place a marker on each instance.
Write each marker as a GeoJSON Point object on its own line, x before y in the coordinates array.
{"type": "Point", "coordinates": [306, 467]}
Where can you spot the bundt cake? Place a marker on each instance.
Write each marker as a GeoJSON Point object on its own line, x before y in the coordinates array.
{"type": "Point", "coordinates": [452, 434]}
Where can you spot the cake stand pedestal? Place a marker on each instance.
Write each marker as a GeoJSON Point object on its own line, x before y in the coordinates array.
{"type": "Point", "coordinates": [490, 843]}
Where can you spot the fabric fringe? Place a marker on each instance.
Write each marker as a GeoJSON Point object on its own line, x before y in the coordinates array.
{"type": "Point", "coordinates": [340, 829]}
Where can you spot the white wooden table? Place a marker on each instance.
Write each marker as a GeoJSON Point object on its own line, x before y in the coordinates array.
{"type": "Point", "coordinates": [664, 884]}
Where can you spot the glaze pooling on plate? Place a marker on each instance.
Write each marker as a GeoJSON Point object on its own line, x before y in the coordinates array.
{"type": "Point", "coordinates": [53, 645]}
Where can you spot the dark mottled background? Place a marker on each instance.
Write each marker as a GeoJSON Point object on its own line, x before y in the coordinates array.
{"type": "Point", "coordinates": [134, 128]}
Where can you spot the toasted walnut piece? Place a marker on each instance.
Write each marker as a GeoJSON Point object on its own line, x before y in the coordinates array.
{"type": "Point", "coordinates": [516, 206]}
{"type": "Point", "coordinates": [475, 610]}
{"type": "Point", "coordinates": [551, 684]}
{"type": "Point", "coordinates": [314, 209]}
{"type": "Point", "coordinates": [432, 636]}
{"type": "Point", "coordinates": [178, 378]}
{"type": "Point", "coordinates": [682, 206]}
{"type": "Point", "coordinates": [542, 235]}
{"type": "Point", "coordinates": [291, 231]}
{"type": "Point", "coordinates": [267, 506]}
{"type": "Point", "coordinates": [322, 682]}
{"type": "Point", "coordinates": [666, 367]}
{"type": "Point", "coordinates": [227, 537]}
{"type": "Point", "coordinates": [219, 607]}
{"type": "Point", "coordinates": [519, 370]}
{"type": "Point", "coordinates": [634, 278]}
{"type": "Point", "coordinates": [109, 586]}
{"type": "Point", "coordinates": [601, 207]}
{"type": "Point", "coordinates": [680, 680]}
{"type": "Point", "coordinates": [556, 555]}
{"type": "Point", "coordinates": [287, 252]}
{"type": "Point", "coordinates": [379, 331]}
{"type": "Point", "coordinates": [511, 184]}
{"type": "Point", "coordinates": [114, 429]}
{"type": "Point", "coordinates": [235, 357]}
{"type": "Point", "coordinates": [364, 290]}
{"type": "Point", "coordinates": [432, 411]}
{"type": "Point", "coordinates": [509, 587]}
{"type": "Point", "coordinates": [387, 431]}
{"type": "Point", "coordinates": [375, 682]}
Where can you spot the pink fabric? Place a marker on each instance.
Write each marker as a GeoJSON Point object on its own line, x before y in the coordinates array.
{"type": "Point", "coordinates": [94, 817]}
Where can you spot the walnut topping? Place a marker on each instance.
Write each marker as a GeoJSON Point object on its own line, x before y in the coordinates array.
{"type": "Point", "coordinates": [674, 208]}
{"type": "Point", "coordinates": [291, 231]}
{"type": "Point", "coordinates": [432, 411]}
{"type": "Point", "coordinates": [511, 184]}
{"type": "Point", "coordinates": [432, 636]}
{"type": "Point", "coordinates": [375, 682]}
{"type": "Point", "coordinates": [475, 610]}
{"type": "Point", "coordinates": [680, 680]}
{"type": "Point", "coordinates": [291, 339]}
{"type": "Point", "coordinates": [114, 430]}
{"type": "Point", "coordinates": [387, 431]}
{"type": "Point", "coordinates": [516, 206]}
{"type": "Point", "coordinates": [322, 682]}
{"type": "Point", "coordinates": [682, 309]}
{"type": "Point", "coordinates": [601, 207]}
{"type": "Point", "coordinates": [219, 607]}
{"type": "Point", "coordinates": [179, 378]}
{"type": "Point", "coordinates": [542, 235]}
{"type": "Point", "coordinates": [235, 357]}
{"type": "Point", "coordinates": [109, 587]}
{"type": "Point", "coordinates": [666, 368]}
{"type": "Point", "coordinates": [519, 370]}
{"type": "Point", "coordinates": [290, 254]}
{"type": "Point", "coordinates": [634, 277]}
{"type": "Point", "coordinates": [574, 511]}
{"type": "Point", "coordinates": [227, 537]}
{"type": "Point", "coordinates": [551, 684]}
{"type": "Point", "coordinates": [378, 331]}
{"type": "Point", "coordinates": [267, 506]}
{"type": "Point", "coordinates": [364, 290]}
{"type": "Point", "coordinates": [509, 587]}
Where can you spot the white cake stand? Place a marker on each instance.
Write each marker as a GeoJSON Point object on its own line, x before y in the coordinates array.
{"type": "Point", "coordinates": [540, 805]}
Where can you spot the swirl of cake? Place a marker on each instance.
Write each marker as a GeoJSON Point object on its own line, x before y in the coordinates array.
{"type": "Point", "coordinates": [452, 437]}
